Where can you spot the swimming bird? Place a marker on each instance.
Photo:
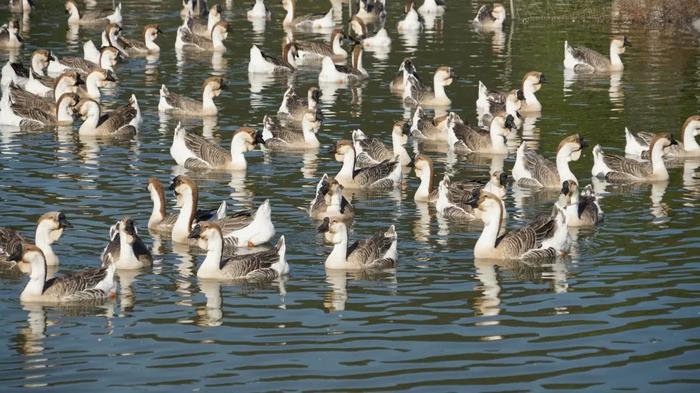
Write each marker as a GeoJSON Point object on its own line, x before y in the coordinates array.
{"type": "Point", "coordinates": [317, 50]}
{"type": "Point", "coordinates": [262, 63]}
{"type": "Point", "coordinates": [9, 35]}
{"type": "Point", "coordinates": [371, 12]}
{"type": "Point", "coordinates": [194, 8]}
{"type": "Point", "coordinates": [533, 170]}
{"type": "Point", "coordinates": [93, 82]}
{"type": "Point", "coordinates": [31, 118]}
{"type": "Point", "coordinates": [490, 15]}
{"type": "Point", "coordinates": [160, 221]}
{"type": "Point", "coordinates": [385, 175]}
{"type": "Point", "coordinates": [148, 45]}
{"type": "Point", "coordinates": [292, 20]}
{"type": "Point", "coordinates": [511, 105]}
{"type": "Point", "coordinates": [172, 102]}
{"type": "Point", "coordinates": [333, 73]}
{"type": "Point", "coordinates": [126, 250]}
{"type": "Point", "coordinates": [240, 229]}
{"type": "Point", "coordinates": [432, 7]}
{"type": "Point", "coordinates": [259, 11]}
{"type": "Point", "coordinates": [406, 69]}
{"type": "Point", "coordinates": [416, 93]}
{"type": "Point", "coordinates": [205, 29]}
{"type": "Point", "coordinates": [465, 139]}
{"type": "Point", "coordinates": [379, 252]}
{"type": "Point", "coordinates": [581, 210]}
{"type": "Point", "coordinates": [371, 151]}
{"type": "Point", "coordinates": [453, 202]}
{"type": "Point", "coordinates": [75, 17]}
{"type": "Point", "coordinates": [428, 127]}
{"type": "Point", "coordinates": [426, 191]}
{"type": "Point", "coordinates": [411, 20]}
{"type": "Point", "coordinates": [330, 201]}
{"type": "Point", "coordinates": [21, 101]}
{"type": "Point", "coordinates": [294, 108]}
{"type": "Point", "coordinates": [123, 121]}
{"type": "Point", "coordinates": [360, 33]}
{"type": "Point", "coordinates": [618, 169]}
{"type": "Point", "coordinates": [260, 266]}
{"type": "Point", "coordinates": [197, 153]}
{"type": "Point", "coordinates": [582, 59]}
{"type": "Point", "coordinates": [107, 60]}
{"type": "Point", "coordinates": [49, 229]}
{"type": "Point", "coordinates": [186, 39]}
{"type": "Point", "coordinates": [531, 83]}
{"type": "Point", "coordinates": [544, 237]}
{"type": "Point", "coordinates": [277, 137]}
{"type": "Point", "coordinates": [638, 144]}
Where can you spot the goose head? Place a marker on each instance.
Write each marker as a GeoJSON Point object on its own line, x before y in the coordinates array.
{"type": "Point", "coordinates": [571, 147]}
{"type": "Point", "coordinates": [155, 188]}
{"type": "Point", "coordinates": [127, 229]}
{"type": "Point", "coordinates": [290, 53]}
{"type": "Point", "coordinates": [50, 226]}
{"type": "Point", "coordinates": [343, 147]}
{"type": "Point", "coordinates": [619, 44]}
{"type": "Point", "coordinates": [499, 178]}
{"type": "Point", "coordinates": [408, 6]}
{"type": "Point", "coordinates": [533, 81]}
{"type": "Point", "coordinates": [32, 255]}
{"type": "Point", "coordinates": [400, 132]}
{"type": "Point", "coordinates": [691, 127]}
{"type": "Point", "coordinates": [245, 139]}
{"type": "Point", "coordinates": [313, 95]}
{"type": "Point", "coordinates": [502, 125]}
{"type": "Point", "coordinates": [215, 13]}
{"type": "Point", "coordinates": [40, 59]}
{"type": "Point", "coordinates": [514, 99]}
{"type": "Point", "coordinates": [213, 85]}
{"type": "Point", "coordinates": [100, 77]}
{"type": "Point", "coordinates": [108, 57]}
{"type": "Point", "coordinates": [664, 140]}
{"type": "Point", "coordinates": [71, 8]}
{"type": "Point", "coordinates": [335, 229]}
{"type": "Point", "coordinates": [88, 108]}
{"type": "Point", "coordinates": [423, 165]}
{"type": "Point", "coordinates": [487, 206]}
{"type": "Point", "coordinates": [68, 103]}
{"type": "Point", "coordinates": [184, 186]}
{"type": "Point", "coordinates": [498, 12]}
{"type": "Point", "coordinates": [206, 233]}
{"type": "Point", "coordinates": [113, 31]}
{"type": "Point", "coordinates": [444, 76]}
{"type": "Point", "coordinates": [151, 31]}
{"type": "Point", "coordinates": [219, 32]}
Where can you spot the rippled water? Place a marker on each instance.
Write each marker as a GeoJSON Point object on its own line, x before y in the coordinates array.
{"type": "Point", "coordinates": [621, 313]}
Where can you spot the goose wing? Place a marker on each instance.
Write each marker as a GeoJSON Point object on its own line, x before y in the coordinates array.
{"type": "Point", "coordinates": [188, 37]}
{"type": "Point", "coordinates": [519, 242]}
{"type": "Point", "coordinates": [10, 243]}
{"type": "Point", "coordinates": [79, 64]}
{"type": "Point", "coordinates": [275, 60]}
{"type": "Point", "coordinates": [235, 221]}
{"type": "Point", "coordinates": [76, 286]}
{"type": "Point", "coordinates": [319, 48]}
{"type": "Point", "coordinates": [181, 102]}
{"type": "Point", "coordinates": [541, 169]}
{"type": "Point", "coordinates": [34, 115]}
{"type": "Point", "coordinates": [588, 209]}
{"type": "Point", "coordinates": [24, 99]}
{"type": "Point", "coordinates": [376, 149]}
{"type": "Point", "coordinates": [590, 57]}
{"type": "Point", "coordinates": [474, 138]}
{"type": "Point", "coordinates": [369, 175]}
{"type": "Point", "coordinates": [210, 153]}
{"type": "Point", "coordinates": [370, 252]}
{"type": "Point", "coordinates": [128, 43]}
{"type": "Point", "coordinates": [118, 120]}
{"type": "Point", "coordinates": [363, 160]}
{"type": "Point", "coordinates": [639, 169]}
{"type": "Point", "coordinates": [249, 265]}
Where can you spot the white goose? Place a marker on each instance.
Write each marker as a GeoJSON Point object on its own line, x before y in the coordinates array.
{"type": "Point", "coordinates": [20, 102]}
{"type": "Point", "coordinates": [161, 222]}
{"type": "Point", "coordinates": [9, 35]}
{"type": "Point", "coordinates": [148, 45]}
{"type": "Point", "coordinates": [533, 170]}
{"type": "Point", "coordinates": [197, 153]}
{"type": "Point", "coordinates": [582, 59]}
{"type": "Point", "coordinates": [582, 210]}
{"type": "Point", "coordinates": [259, 11]}
{"type": "Point", "coordinates": [371, 151]}
{"type": "Point", "coordinates": [490, 15]}
{"type": "Point", "coordinates": [385, 175]}
{"type": "Point", "coordinates": [89, 285]}
{"type": "Point", "coordinates": [17, 73]}
{"type": "Point", "coordinates": [107, 60]}
{"type": "Point", "coordinates": [426, 192]}
{"type": "Point", "coordinates": [172, 102]}
{"type": "Point", "coordinates": [453, 202]}
{"type": "Point", "coordinates": [262, 63]}
{"type": "Point", "coordinates": [330, 201]}
{"type": "Point", "coordinates": [75, 17]}
{"type": "Point", "coordinates": [186, 39]}
{"type": "Point", "coordinates": [371, 12]}
{"type": "Point", "coordinates": [465, 139]}
{"type": "Point", "coordinates": [360, 33]}
{"type": "Point", "coordinates": [276, 137]}
{"type": "Point", "coordinates": [291, 20]}
{"type": "Point", "coordinates": [618, 169]}
{"type": "Point", "coordinates": [205, 29]}
{"type": "Point", "coordinates": [126, 250]}
{"type": "Point", "coordinates": [498, 104]}
{"type": "Point", "coordinates": [333, 73]}
{"type": "Point", "coordinates": [416, 93]}
{"type": "Point", "coordinates": [378, 252]}
{"type": "Point", "coordinates": [638, 144]}
{"type": "Point", "coordinates": [30, 118]}
{"type": "Point", "coordinates": [260, 266]}
{"type": "Point", "coordinates": [123, 121]}
{"type": "Point", "coordinates": [545, 237]}
{"type": "Point", "coordinates": [531, 84]}
{"type": "Point", "coordinates": [411, 21]}
{"type": "Point", "coordinates": [93, 82]}
{"type": "Point", "coordinates": [293, 108]}
{"type": "Point", "coordinates": [432, 7]}
{"type": "Point", "coordinates": [241, 229]}
{"type": "Point", "coordinates": [49, 228]}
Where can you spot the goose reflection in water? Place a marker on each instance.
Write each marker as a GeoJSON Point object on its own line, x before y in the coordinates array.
{"type": "Point", "coordinates": [337, 296]}
{"type": "Point", "coordinates": [658, 208]}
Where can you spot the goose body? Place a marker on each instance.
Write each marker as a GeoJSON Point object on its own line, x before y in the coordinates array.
{"type": "Point", "coordinates": [330, 202]}
{"type": "Point", "coordinates": [259, 11]}
{"type": "Point", "coordinates": [262, 63]}
{"type": "Point", "coordinates": [385, 175]}
{"type": "Point", "coordinates": [14, 73]}
{"type": "Point", "coordinates": [333, 73]}
{"type": "Point", "coordinates": [123, 121]}
{"type": "Point", "coordinates": [49, 228]}
{"type": "Point", "coordinates": [126, 250]}
{"type": "Point", "coordinates": [240, 229]}
{"type": "Point", "coordinates": [148, 45]}
{"type": "Point", "coordinates": [372, 151]}
{"type": "Point", "coordinates": [452, 201]}
{"type": "Point", "coordinates": [276, 137]}
{"type": "Point", "coordinates": [533, 170]}
{"type": "Point", "coordinates": [378, 252]}
{"type": "Point", "coordinates": [186, 39]}
{"type": "Point", "coordinates": [76, 17]}
{"type": "Point", "coordinates": [9, 35]}
{"type": "Point", "coordinates": [89, 285]}
{"type": "Point", "coordinates": [205, 29]}
{"type": "Point", "coordinates": [32, 118]}
{"type": "Point", "coordinates": [411, 20]}
{"type": "Point", "coordinates": [93, 82]}
{"type": "Point", "coordinates": [18, 106]}
{"type": "Point", "coordinates": [432, 7]}
{"type": "Point", "coordinates": [173, 102]}
{"type": "Point", "coordinates": [638, 144]}
{"type": "Point", "coordinates": [489, 101]}
{"type": "Point", "coordinates": [618, 169]}
{"type": "Point", "coordinates": [464, 139]}
{"type": "Point", "coordinates": [291, 20]}
{"type": "Point", "coordinates": [161, 222]}
{"type": "Point", "coordinates": [585, 60]}
{"type": "Point", "coordinates": [293, 108]}
{"type": "Point", "coordinates": [371, 12]}
{"type": "Point", "coordinates": [197, 153]}
{"type": "Point", "coordinates": [107, 60]}
{"type": "Point", "coordinates": [416, 93]}
{"type": "Point", "coordinates": [428, 128]}
{"type": "Point", "coordinates": [490, 15]}
{"type": "Point", "coordinates": [380, 39]}
{"type": "Point", "coordinates": [406, 69]}
{"type": "Point", "coordinates": [260, 266]}
{"type": "Point", "coordinates": [581, 210]}
{"type": "Point", "coordinates": [544, 237]}
{"type": "Point", "coordinates": [317, 50]}
{"type": "Point", "coordinates": [492, 103]}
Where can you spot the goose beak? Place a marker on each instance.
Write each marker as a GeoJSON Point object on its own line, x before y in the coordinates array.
{"type": "Point", "coordinates": [110, 77]}
{"type": "Point", "coordinates": [673, 141]}
{"type": "Point", "coordinates": [325, 226]}
{"type": "Point", "coordinates": [195, 232]}
{"type": "Point", "coordinates": [521, 95]}
{"type": "Point", "coordinates": [542, 78]}
{"type": "Point", "coordinates": [473, 200]}
{"type": "Point", "coordinates": [503, 178]}
{"type": "Point", "coordinates": [63, 222]}
{"type": "Point", "coordinates": [259, 138]}
{"type": "Point", "coordinates": [510, 123]}
{"type": "Point", "coordinates": [583, 143]}
{"type": "Point", "coordinates": [565, 188]}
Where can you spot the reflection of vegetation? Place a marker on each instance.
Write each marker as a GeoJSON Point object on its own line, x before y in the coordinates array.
{"type": "Point", "coordinates": [529, 10]}
{"type": "Point", "coordinates": [659, 13]}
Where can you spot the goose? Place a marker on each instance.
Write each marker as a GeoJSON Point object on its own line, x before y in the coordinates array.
{"type": "Point", "coordinates": [93, 82]}
{"type": "Point", "coordinates": [371, 151]}
{"type": "Point", "coordinates": [370, 12]}
{"type": "Point", "coordinates": [107, 60]}
{"type": "Point", "coordinates": [261, 63]}
{"type": "Point", "coordinates": [186, 39]}
{"type": "Point", "coordinates": [380, 39]}
{"type": "Point", "coordinates": [194, 152]}
{"type": "Point", "coordinates": [333, 73]}
{"type": "Point", "coordinates": [38, 85]}
{"type": "Point", "coordinates": [531, 83]}
{"type": "Point", "coordinates": [211, 87]}
{"type": "Point", "coordinates": [75, 17]}
{"type": "Point", "coordinates": [242, 228]}
{"type": "Point", "coordinates": [533, 170]}
{"type": "Point", "coordinates": [406, 69]}
{"type": "Point", "coordinates": [205, 29]}
{"type": "Point", "coordinates": [428, 128]}
{"type": "Point", "coordinates": [490, 15]}
{"type": "Point", "coordinates": [618, 169]}
{"type": "Point", "coordinates": [88, 285]}
{"type": "Point", "coordinates": [582, 59]}
{"type": "Point", "coordinates": [30, 118]}
{"type": "Point", "coordinates": [123, 121]}
{"type": "Point", "coordinates": [465, 139]}
{"type": "Point", "coordinates": [21, 6]}
{"type": "Point", "coordinates": [294, 108]}
{"type": "Point", "coordinates": [379, 252]}
{"type": "Point", "coordinates": [511, 105]}
{"type": "Point", "coordinates": [14, 73]}
{"type": "Point", "coordinates": [638, 144]}
{"type": "Point", "coordinates": [545, 237]}
{"type": "Point", "coordinates": [259, 11]}
{"type": "Point", "coordinates": [330, 202]}
{"type": "Point", "coordinates": [416, 92]}
{"type": "Point", "coordinates": [49, 229]}
{"type": "Point", "coordinates": [385, 175]}
{"type": "Point", "coordinates": [411, 21]}
{"type": "Point", "coordinates": [275, 137]}
{"type": "Point", "coordinates": [432, 7]}
{"type": "Point", "coordinates": [111, 36]}
{"type": "Point", "coordinates": [426, 192]}
{"type": "Point", "coordinates": [317, 50]}
{"type": "Point", "coordinates": [260, 266]}
{"type": "Point", "coordinates": [9, 35]}
{"type": "Point", "coordinates": [148, 45]}
{"type": "Point", "coordinates": [291, 20]}
{"type": "Point", "coordinates": [22, 101]}
{"type": "Point", "coordinates": [195, 8]}
{"type": "Point", "coordinates": [126, 250]}
{"type": "Point", "coordinates": [453, 202]}
{"type": "Point", "coordinates": [161, 222]}
{"type": "Point", "coordinates": [581, 210]}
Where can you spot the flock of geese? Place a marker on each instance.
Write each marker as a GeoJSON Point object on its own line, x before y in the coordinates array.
{"type": "Point", "coordinates": [51, 91]}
